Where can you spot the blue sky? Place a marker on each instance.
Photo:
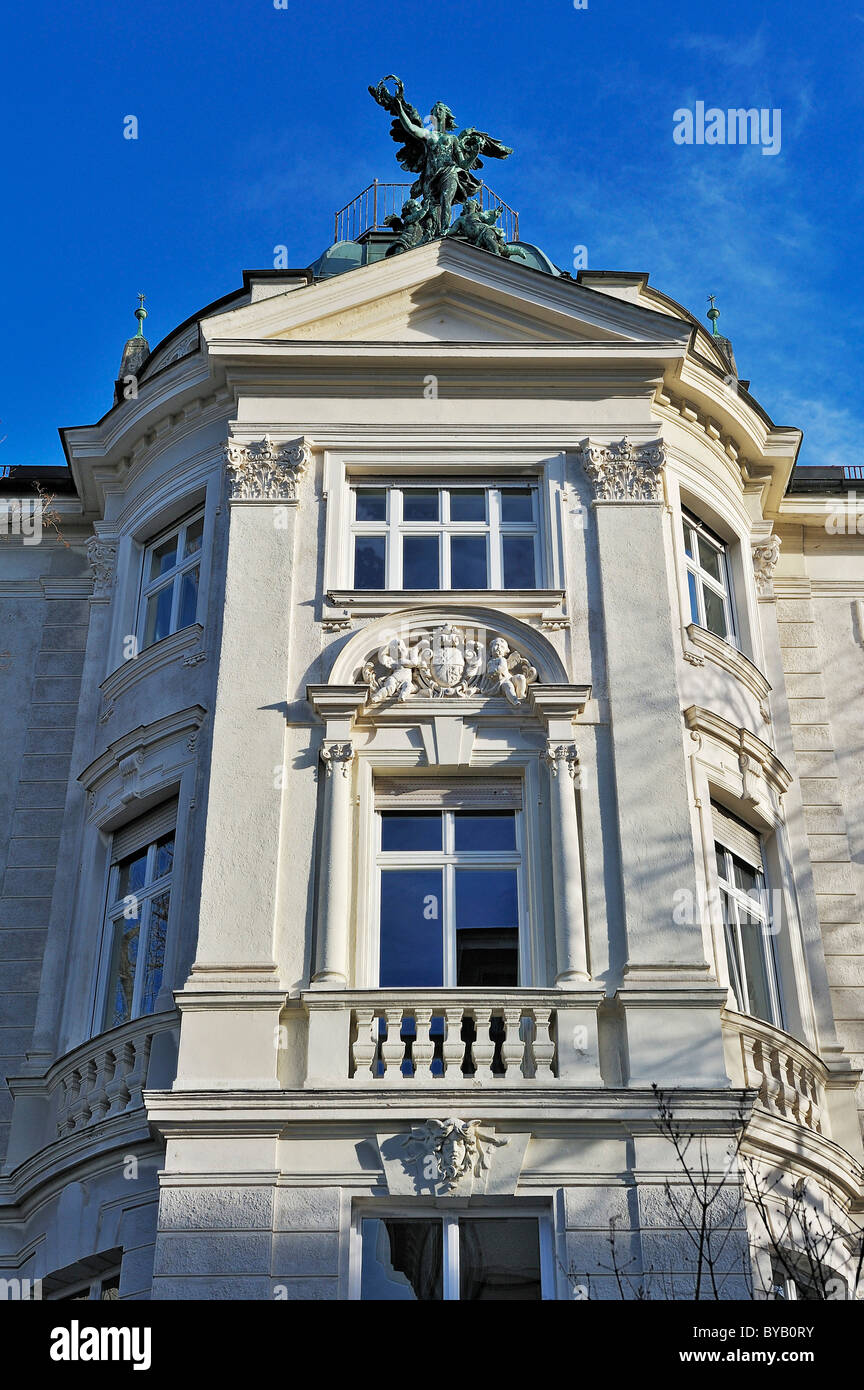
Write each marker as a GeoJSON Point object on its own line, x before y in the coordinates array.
{"type": "Point", "coordinates": [254, 125]}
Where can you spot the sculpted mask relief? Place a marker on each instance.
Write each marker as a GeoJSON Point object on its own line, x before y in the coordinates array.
{"type": "Point", "coordinates": [447, 662]}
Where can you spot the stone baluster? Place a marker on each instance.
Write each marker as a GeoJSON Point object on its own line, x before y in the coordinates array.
{"type": "Point", "coordinates": [543, 1046]}
{"type": "Point", "coordinates": [484, 1047]}
{"type": "Point", "coordinates": [99, 1101]}
{"type": "Point", "coordinates": [512, 1048]}
{"type": "Point", "coordinates": [393, 1048]}
{"type": "Point", "coordinates": [424, 1047]}
{"type": "Point", "coordinates": [116, 1089]}
{"type": "Point", "coordinates": [136, 1077]}
{"type": "Point", "coordinates": [365, 1047]}
{"type": "Point", "coordinates": [454, 1047]}
{"type": "Point", "coordinates": [79, 1112]}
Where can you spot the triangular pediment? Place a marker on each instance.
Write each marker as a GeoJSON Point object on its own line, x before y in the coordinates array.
{"type": "Point", "coordinates": [445, 292]}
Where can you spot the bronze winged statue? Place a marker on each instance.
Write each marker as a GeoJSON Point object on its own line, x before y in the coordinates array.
{"type": "Point", "coordinates": [443, 160]}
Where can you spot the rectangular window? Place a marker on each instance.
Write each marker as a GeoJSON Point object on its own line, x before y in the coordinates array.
{"type": "Point", "coordinates": [709, 580]}
{"type": "Point", "coordinates": [450, 889]}
{"type": "Point", "coordinates": [747, 925]}
{"type": "Point", "coordinates": [139, 898]}
{"type": "Point", "coordinates": [169, 592]}
{"type": "Point", "coordinates": [453, 536]}
{"type": "Point", "coordinates": [450, 1257]}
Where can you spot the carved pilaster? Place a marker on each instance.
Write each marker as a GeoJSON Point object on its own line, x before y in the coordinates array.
{"type": "Point", "coordinates": [625, 472]}
{"type": "Point", "coordinates": [562, 760]}
{"type": "Point", "coordinates": [262, 471]}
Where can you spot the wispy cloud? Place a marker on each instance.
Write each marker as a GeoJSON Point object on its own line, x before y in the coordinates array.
{"type": "Point", "coordinates": [746, 53]}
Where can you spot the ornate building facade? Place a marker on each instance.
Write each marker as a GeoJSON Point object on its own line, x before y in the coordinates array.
{"type": "Point", "coordinates": [432, 722]}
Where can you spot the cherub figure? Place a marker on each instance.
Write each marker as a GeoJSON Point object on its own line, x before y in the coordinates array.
{"type": "Point", "coordinates": [478, 227]}
{"type": "Point", "coordinates": [397, 658]}
{"type": "Point", "coordinates": [511, 683]}
{"type": "Point", "coordinates": [409, 226]}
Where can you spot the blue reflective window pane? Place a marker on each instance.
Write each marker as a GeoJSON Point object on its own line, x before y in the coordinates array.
{"type": "Point", "coordinates": [486, 898]}
{"type": "Point", "coordinates": [412, 952]}
{"type": "Point", "coordinates": [188, 598]}
{"type": "Point", "coordinates": [518, 562]}
{"type": "Point", "coordinates": [420, 564]}
{"type": "Point", "coordinates": [158, 623]}
{"type": "Point", "coordinates": [485, 830]}
{"type": "Point", "coordinates": [420, 505]}
{"type": "Point", "coordinates": [468, 504]}
{"type": "Point", "coordinates": [516, 504]}
{"type": "Point", "coordinates": [369, 562]}
{"type": "Point", "coordinates": [370, 504]}
{"type": "Point", "coordinates": [404, 830]}
{"type": "Point", "coordinates": [468, 562]}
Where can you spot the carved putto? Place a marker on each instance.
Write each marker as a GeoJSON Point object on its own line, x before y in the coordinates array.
{"type": "Point", "coordinates": [450, 1151]}
{"type": "Point", "coordinates": [446, 662]}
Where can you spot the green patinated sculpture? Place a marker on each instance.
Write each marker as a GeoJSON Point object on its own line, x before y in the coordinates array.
{"type": "Point", "coordinates": [478, 227]}
{"type": "Point", "coordinates": [444, 162]}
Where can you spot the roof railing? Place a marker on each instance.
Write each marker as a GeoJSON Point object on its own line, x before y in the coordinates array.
{"type": "Point", "coordinates": [366, 212]}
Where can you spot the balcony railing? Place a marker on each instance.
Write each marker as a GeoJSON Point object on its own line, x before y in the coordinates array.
{"type": "Point", "coordinates": [789, 1079]}
{"type": "Point", "coordinates": [102, 1078]}
{"type": "Point", "coordinates": [442, 1038]}
{"type": "Point", "coordinates": [366, 212]}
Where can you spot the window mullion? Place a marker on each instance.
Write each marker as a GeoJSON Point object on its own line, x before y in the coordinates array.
{"type": "Point", "coordinates": [451, 1259]}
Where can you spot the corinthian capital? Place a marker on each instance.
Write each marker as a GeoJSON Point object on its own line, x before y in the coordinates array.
{"type": "Point", "coordinates": [101, 557]}
{"type": "Point", "coordinates": [562, 757]}
{"type": "Point", "coordinates": [624, 472]}
{"type": "Point", "coordinates": [335, 755]}
{"type": "Point", "coordinates": [261, 471]}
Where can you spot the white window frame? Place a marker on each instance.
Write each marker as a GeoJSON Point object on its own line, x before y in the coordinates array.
{"type": "Point", "coordinates": [756, 907]}
{"type": "Point", "coordinates": [174, 576]}
{"type": "Point", "coordinates": [429, 1212]}
{"type": "Point", "coordinates": [703, 579]}
{"type": "Point", "coordinates": [113, 913]}
{"type": "Point", "coordinates": [394, 528]}
{"type": "Point", "coordinates": [449, 859]}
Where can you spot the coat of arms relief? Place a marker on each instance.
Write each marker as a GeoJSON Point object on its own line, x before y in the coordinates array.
{"type": "Point", "coordinates": [447, 662]}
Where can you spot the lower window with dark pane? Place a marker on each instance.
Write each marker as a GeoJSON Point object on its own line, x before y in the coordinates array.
{"type": "Point", "coordinates": [417, 1259]}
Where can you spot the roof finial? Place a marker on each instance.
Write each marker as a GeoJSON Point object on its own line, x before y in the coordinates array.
{"type": "Point", "coordinates": [140, 314]}
{"type": "Point", "coordinates": [713, 314]}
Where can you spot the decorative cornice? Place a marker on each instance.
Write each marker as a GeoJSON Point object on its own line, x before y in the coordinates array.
{"type": "Point", "coordinates": [262, 471]}
{"type": "Point", "coordinates": [726, 656]}
{"type": "Point", "coordinates": [625, 472]}
{"type": "Point", "coordinates": [766, 553]}
{"type": "Point", "coordinates": [152, 659]}
{"type": "Point", "coordinates": [101, 557]}
{"type": "Point", "coordinates": [755, 759]}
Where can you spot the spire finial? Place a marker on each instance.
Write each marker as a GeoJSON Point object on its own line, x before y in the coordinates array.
{"type": "Point", "coordinates": [713, 314]}
{"type": "Point", "coordinates": [140, 314]}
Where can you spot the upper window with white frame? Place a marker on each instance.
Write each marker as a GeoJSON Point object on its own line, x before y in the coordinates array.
{"type": "Point", "coordinates": [136, 919]}
{"type": "Point", "coordinates": [450, 889]}
{"type": "Point", "coordinates": [709, 579]}
{"type": "Point", "coordinates": [171, 580]}
{"type": "Point", "coordinates": [747, 919]}
{"type": "Point", "coordinates": [451, 535]}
